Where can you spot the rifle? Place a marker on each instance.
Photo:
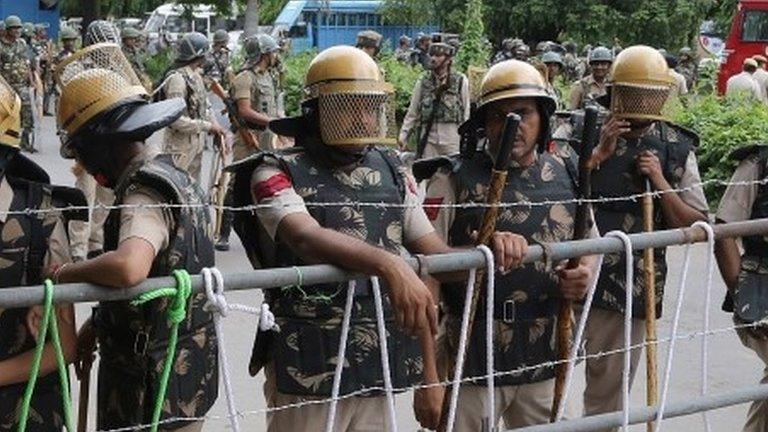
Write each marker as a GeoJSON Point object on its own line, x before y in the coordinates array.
{"type": "Point", "coordinates": [237, 121]}
{"type": "Point", "coordinates": [589, 138]}
{"type": "Point", "coordinates": [487, 227]}
{"type": "Point", "coordinates": [431, 120]}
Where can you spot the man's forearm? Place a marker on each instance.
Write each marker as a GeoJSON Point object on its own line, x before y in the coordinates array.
{"type": "Point", "coordinates": [728, 260]}
{"type": "Point", "coordinates": [677, 214]}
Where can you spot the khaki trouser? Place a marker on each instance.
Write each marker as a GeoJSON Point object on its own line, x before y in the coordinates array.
{"type": "Point", "coordinates": [519, 406]}
{"type": "Point", "coordinates": [605, 332]}
{"type": "Point", "coordinates": [355, 414]}
{"type": "Point", "coordinates": [434, 150]}
{"type": "Point", "coordinates": [88, 236]}
{"type": "Point", "coordinates": [757, 417]}
{"type": "Point", "coordinates": [186, 150]}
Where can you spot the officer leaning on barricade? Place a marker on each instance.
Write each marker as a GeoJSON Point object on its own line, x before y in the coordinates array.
{"type": "Point", "coordinates": [746, 275]}
{"type": "Point", "coordinates": [184, 139]}
{"type": "Point", "coordinates": [104, 109]}
{"type": "Point", "coordinates": [586, 91]}
{"type": "Point", "coordinates": [33, 246]}
{"type": "Point", "coordinates": [338, 157]}
{"type": "Point", "coordinates": [16, 68]}
{"type": "Point", "coordinates": [439, 104]}
{"type": "Point", "coordinates": [638, 150]}
{"type": "Point", "coordinates": [217, 62]}
{"type": "Point", "coordinates": [526, 298]}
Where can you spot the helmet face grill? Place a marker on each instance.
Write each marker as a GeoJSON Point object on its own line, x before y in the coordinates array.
{"type": "Point", "coordinates": [353, 113]}
{"type": "Point", "coordinates": [100, 32]}
{"type": "Point", "coordinates": [93, 80]}
{"type": "Point", "coordinates": [10, 115]}
{"type": "Point", "coordinates": [638, 101]}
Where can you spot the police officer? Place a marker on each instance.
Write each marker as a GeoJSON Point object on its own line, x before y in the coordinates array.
{"type": "Point", "coordinates": [688, 67]}
{"type": "Point", "coordinates": [745, 274]}
{"type": "Point", "coordinates": [337, 158]}
{"type": "Point", "coordinates": [420, 55]}
{"type": "Point", "coordinates": [43, 49]}
{"type": "Point", "coordinates": [761, 75]}
{"type": "Point", "coordinates": [637, 149]}
{"type": "Point", "coordinates": [68, 40]}
{"type": "Point", "coordinates": [142, 240]}
{"type": "Point", "coordinates": [586, 90]}
{"type": "Point", "coordinates": [184, 139]}
{"type": "Point", "coordinates": [507, 51]}
{"type": "Point", "coordinates": [526, 298]}
{"type": "Point", "coordinates": [679, 88]}
{"type": "Point", "coordinates": [439, 104]}
{"type": "Point", "coordinates": [33, 247]}
{"type": "Point", "coordinates": [217, 63]}
{"type": "Point", "coordinates": [16, 68]}
{"type": "Point", "coordinates": [555, 66]}
{"type": "Point", "coordinates": [135, 54]}
{"type": "Point", "coordinates": [255, 92]}
{"type": "Point", "coordinates": [403, 51]}
{"type": "Point", "coordinates": [370, 42]}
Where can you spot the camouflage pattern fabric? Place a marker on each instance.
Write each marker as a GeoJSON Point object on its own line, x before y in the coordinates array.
{"type": "Point", "coordinates": [15, 67]}
{"type": "Point", "coordinates": [502, 56]}
{"type": "Point", "coordinates": [450, 108]}
{"type": "Point", "coordinates": [216, 66]}
{"type": "Point", "coordinates": [690, 70]}
{"type": "Point", "coordinates": [525, 304]}
{"type": "Point", "coordinates": [304, 351]}
{"type": "Point", "coordinates": [263, 90]}
{"type": "Point", "coordinates": [403, 55]}
{"type": "Point", "coordinates": [132, 340]}
{"type": "Point", "coordinates": [618, 177]}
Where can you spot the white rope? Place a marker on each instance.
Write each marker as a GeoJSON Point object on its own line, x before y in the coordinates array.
{"type": "Point", "coordinates": [489, 346]}
{"type": "Point", "coordinates": [470, 205]}
{"type": "Point", "coordinates": [340, 357]}
{"type": "Point", "coordinates": [707, 303]}
{"type": "Point", "coordinates": [458, 370]}
{"type": "Point", "coordinates": [578, 338]}
{"type": "Point", "coordinates": [629, 288]}
{"type": "Point", "coordinates": [218, 304]}
{"type": "Point", "coordinates": [385, 370]}
{"type": "Point", "coordinates": [673, 331]}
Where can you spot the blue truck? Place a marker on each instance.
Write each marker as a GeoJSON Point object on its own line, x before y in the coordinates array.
{"type": "Point", "coordinates": [36, 11]}
{"type": "Point", "coordinates": [319, 24]}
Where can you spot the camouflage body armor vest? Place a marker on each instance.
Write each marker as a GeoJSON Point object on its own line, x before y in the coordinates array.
{"type": "Point", "coordinates": [618, 177]}
{"type": "Point", "coordinates": [450, 108]}
{"type": "Point", "coordinates": [24, 245]}
{"type": "Point", "coordinates": [305, 349]}
{"type": "Point", "coordinates": [525, 309]}
{"type": "Point", "coordinates": [750, 296]}
{"type": "Point", "coordinates": [133, 339]}
{"type": "Point", "coordinates": [14, 63]}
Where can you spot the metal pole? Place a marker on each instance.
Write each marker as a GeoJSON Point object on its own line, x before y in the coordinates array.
{"type": "Point", "coordinates": [280, 277]}
{"type": "Point", "coordinates": [682, 408]}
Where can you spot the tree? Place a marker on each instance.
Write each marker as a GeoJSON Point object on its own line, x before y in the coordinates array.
{"type": "Point", "coordinates": [474, 46]}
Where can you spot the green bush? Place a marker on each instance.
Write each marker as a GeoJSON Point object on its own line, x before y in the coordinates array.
{"type": "Point", "coordinates": [723, 124]}
{"type": "Point", "coordinates": [158, 64]}
{"type": "Point", "coordinates": [295, 69]}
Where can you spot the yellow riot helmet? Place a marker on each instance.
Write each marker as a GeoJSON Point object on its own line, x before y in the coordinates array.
{"type": "Point", "coordinates": [515, 79]}
{"type": "Point", "coordinates": [10, 115]}
{"type": "Point", "coordinates": [640, 83]}
{"type": "Point", "coordinates": [354, 104]}
{"type": "Point", "coordinates": [101, 93]}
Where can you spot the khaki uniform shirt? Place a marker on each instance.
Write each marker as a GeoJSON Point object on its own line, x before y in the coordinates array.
{"type": "Point", "coordinates": [283, 200]}
{"type": "Point", "coordinates": [743, 82]}
{"type": "Point", "coordinates": [761, 76]}
{"type": "Point", "coordinates": [585, 89]}
{"type": "Point", "coordinates": [187, 134]}
{"type": "Point", "coordinates": [260, 89]}
{"type": "Point", "coordinates": [737, 202]}
{"type": "Point", "coordinates": [680, 88]}
{"type": "Point", "coordinates": [443, 137]}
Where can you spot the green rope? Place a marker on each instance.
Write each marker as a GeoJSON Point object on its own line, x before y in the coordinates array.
{"type": "Point", "coordinates": [318, 298]}
{"type": "Point", "coordinates": [35, 370]}
{"type": "Point", "coordinates": [177, 311]}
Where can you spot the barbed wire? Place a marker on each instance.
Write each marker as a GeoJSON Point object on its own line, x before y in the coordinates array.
{"type": "Point", "coordinates": [380, 389]}
{"type": "Point", "coordinates": [469, 205]}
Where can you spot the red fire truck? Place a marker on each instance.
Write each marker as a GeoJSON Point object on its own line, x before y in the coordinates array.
{"type": "Point", "coordinates": [748, 37]}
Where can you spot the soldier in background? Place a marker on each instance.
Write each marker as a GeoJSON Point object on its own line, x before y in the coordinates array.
{"type": "Point", "coordinates": [585, 91]}
{"type": "Point", "coordinates": [256, 94]}
{"type": "Point", "coordinates": [217, 62]}
{"type": "Point", "coordinates": [574, 68]}
{"type": "Point", "coordinates": [507, 51]}
{"type": "Point", "coordinates": [34, 247]}
{"type": "Point", "coordinates": [761, 75]}
{"type": "Point", "coordinates": [184, 139]}
{"type": "Point", "coordinates": [420, 55]}
{"type": "Point", "coordinates": [688, 67]}
{"type": "Point", "coordinates": [555, 66]}
{"type": "Point", "coordinates": [370, 42]}
{"type": "Point", "coordinates": [403, 51]}
{"type": "Point", "coordinates": [522, 52]}
{"type": "Point", "coordinates": [680, 88]}
{"type": "Point", "coordinates": [16, 68]}
{"type": "Point", "coordinates": [2, 29]}
{"type": "Point", "coordinates": [69, 38]}
{"type": "Point", "coordinates": [146, 238]}
{"type": "Point", "coordinates": [43, 49]}
{"type": "Point", "coordinates": [439, 104]}
{"type": "Point", "coordinates": [746, 274]}
{"type": "Point", "coordinates": [744, 82]}
{"type": "Point", "coordinates": [135, 54]}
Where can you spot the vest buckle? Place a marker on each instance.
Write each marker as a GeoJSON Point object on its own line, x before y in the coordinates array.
{"type": "Point", "coordinates": [140, 343]}
{"type": "Point", "coordinates": [508, 313]}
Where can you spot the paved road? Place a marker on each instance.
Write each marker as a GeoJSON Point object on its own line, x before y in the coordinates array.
{"type": "Point", "coordinates": [731, 365]}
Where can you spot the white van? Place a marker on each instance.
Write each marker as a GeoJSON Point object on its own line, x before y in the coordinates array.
{"type": "Point", "coordinates": [169, 21]}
